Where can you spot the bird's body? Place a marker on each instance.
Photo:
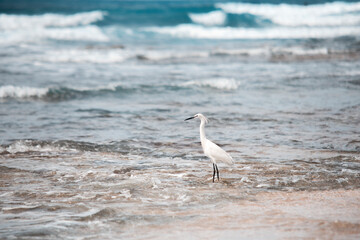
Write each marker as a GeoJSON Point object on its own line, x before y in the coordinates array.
{"type": "Point", "coordinates": [216, 153]}
{"type": "Point", "coordinates": [211, 150]}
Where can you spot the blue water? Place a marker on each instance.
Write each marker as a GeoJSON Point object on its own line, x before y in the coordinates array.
{"type": "Point", "coordinates": [93, 95]}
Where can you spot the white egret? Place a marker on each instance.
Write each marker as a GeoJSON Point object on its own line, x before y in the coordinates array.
{"type": "Point", "coordinates": [211, 150]}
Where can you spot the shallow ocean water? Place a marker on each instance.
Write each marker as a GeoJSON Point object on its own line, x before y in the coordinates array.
{"type": "Point", "coordinates": [91, 195]}
{"type": "Point", "coordinates": [92, 101]}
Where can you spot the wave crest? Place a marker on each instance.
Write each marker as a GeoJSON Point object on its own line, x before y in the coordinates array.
{"type": "Point", "coordinates": [216, 83]}
{"type": "Point", "coordinates": [22, 92]}
{"type": "Point", "coordinates": [213, 18]}
{"type": "Point", "coordinates": [76, 27]}
{"type": "Point", "coordinates": [22, 146]}
{"type": "Point", "coordinates": [201, 32]}
{"type": "Point", "coordinates": [16, 22]}
{"type": "Point", "coordinates": [57, 93]}
{"type": "Point", "coordinates": [61, 146]}
{"type": "Point", "coordinates": [85, 33]}
{"type": "Point", "coordinates": [328, 14]}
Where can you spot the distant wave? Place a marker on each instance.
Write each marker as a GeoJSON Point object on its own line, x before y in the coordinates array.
{"type": "Point", "coordinates": [16, 22]}
{"type": "Point", "coordinates": [56, 93]}
{"type": "Point", "coordinates": [85, 33]}
{"type": "Point", "coordinates": [270, 21]}
{"type": "Point", "coordinates": [102, 56]}
{"type": "Point", "coordinates": [216, 83]}
{"type": "Point", "coordinates": [114, 54]}
{"type": "Point", "coordinates": [327, 14]}
{"type": "Point", "coordinates": [201, 32]}
{"type": "Point", "coordinates": [30, 28]}
{"type": "Point", "coordinates": [69, 146]}
{"type": "Point", "coordinates": [66, 93]}
{"type": "Point", "coordinates": [22, 92]}
{"type": "Point", "coordinates": [53, 147]}
{"type": "Point", "coordinates": [221, 21]}
{"type": "Point", "coordinates": [209, 19]}
{"type": "Point", "coordinates": [220, 18]}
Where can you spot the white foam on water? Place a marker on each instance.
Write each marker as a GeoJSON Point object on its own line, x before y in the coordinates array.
{"type": "Point", "coordinates": [85, 33]}
{"type": "Point", "coordinates": [202, 32]}
{"type": "Point", "coordinates": [267, 51]}
{"type": "Point", "coordinates": [301, 51]}
{"type": "Point", "coordinates": [108, 56]}
{"type": "Point", "coordinates": [165, 55]}
{"type": "Point", "coordinates": [29, 146]}
{"type": "Point", "coordinates": [16, 22]}
{"type": "Point", "coordinates": [34, 28]}
{"type": "Point", "coordinates": [86, 55]}
{"type": "Point", "coordinates": [25, 92]}
{"type": "Point", "coordinates": [125, 193]}
{"type": "Point", "coordinates": [217, 83]}
{"type": "Point", "coordinates": [316, 21]}
{"type": "Point", "coordinates": [328, 14]}
{"type": "Point", "coordinates": [242, 51]}
{"type": "Point", "coordinates": [10, 91]}
{"type": "Point", "coordinates": [110, 86]}
{"type": "Point", "coordinates": [209, 19]}
{"type": "Point", "coordinates": [353, 72]}
{"type": "Point", "coordinates": [274, 9]}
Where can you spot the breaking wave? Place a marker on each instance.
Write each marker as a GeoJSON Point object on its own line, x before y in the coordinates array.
{"type": "Point", "coordinates": [86, 55]}
{"type": "Point", "coordinates": [269, 21]}
{"type": "Point", "coordinates": [209, 19]}
{"type": "Point", "coordinates": [22, 146]}
{"type": "Point", "coordinates": [22, 92]}
{"type": "Point", "coordinates": [83, 33]}
{"type": "Point", "coordinates": [61, 146]}
{"type": "Point", "coordinates": [16, 22]}
{"type": "Point", "coordinates": [217, 83]}
{"type": "Point", "coordinates": [202, 32]}
{"type": "Point", "coordinates": [56, 93]}
{"type": "Point", "coordinates": [327, 14]}
{"type": "Point", "coordinates": [115, 90]}
{"type": "Point", "coordinates": [32, 28]}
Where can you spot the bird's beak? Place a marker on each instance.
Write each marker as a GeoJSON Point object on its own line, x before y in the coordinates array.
{"type": "Point", "coordinates": [189, 118]}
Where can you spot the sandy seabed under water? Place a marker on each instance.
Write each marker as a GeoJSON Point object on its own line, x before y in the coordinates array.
{"type": "Point", "coordinates": [331, 214]}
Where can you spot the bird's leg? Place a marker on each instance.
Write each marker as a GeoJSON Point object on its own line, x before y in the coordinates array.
{"type": "Point", "coordinates": [217, 172]}
{"type": "Point", "coordinates": [214, 172]}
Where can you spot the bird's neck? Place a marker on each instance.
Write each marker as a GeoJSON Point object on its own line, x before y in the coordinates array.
{"type": "Point", "coordinates": [202, 132]}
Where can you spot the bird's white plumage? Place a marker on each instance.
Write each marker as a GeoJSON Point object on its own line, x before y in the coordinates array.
{"type": "Point", "coordinates": [216, 153]}
{"type": "Point", "coordinates": [211, 150]}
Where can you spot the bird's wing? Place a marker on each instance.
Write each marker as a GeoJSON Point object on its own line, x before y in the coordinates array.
{"type": "Point", "coordinates": [217, 153]}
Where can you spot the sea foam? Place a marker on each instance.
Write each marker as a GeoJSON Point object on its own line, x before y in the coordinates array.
{"type": "Point", "coordinates": [213, 18]}
{"type": "Point", "coordinates": [33, 28]}
{"type": "Point", "coordinates": [29, 146]}
{"type": "Point", "coordinates": [87, 55]}
{"type": "Point", "coordinates": [10, 91]}
{"type": "Point", "coordinates": [81, 33]}
{"type": "Point", "coordinates": [202, 32]}
{"type": "Point", "coordinates": [56, 93]}
{"type": "Point", "coordinates": [328, 14]}
{"type": "Point", "coordinates": [16, 22]}
{"type": "Point", "coordinates": [216, 83]}
{"type": "Point", "coordinates": [287, 21]}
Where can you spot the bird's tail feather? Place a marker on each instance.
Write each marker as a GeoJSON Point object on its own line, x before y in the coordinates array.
{"type": "Point", "coordinates": [229, 160]}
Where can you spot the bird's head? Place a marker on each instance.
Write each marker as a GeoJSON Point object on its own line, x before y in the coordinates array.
{"type": "Point", "coordinates": [200, 116]}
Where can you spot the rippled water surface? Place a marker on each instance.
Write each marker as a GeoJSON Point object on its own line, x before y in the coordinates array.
{"type": "Point", "coordinates": [93, 97]}
{"type": "Point", "coordinates": [128, 190]}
